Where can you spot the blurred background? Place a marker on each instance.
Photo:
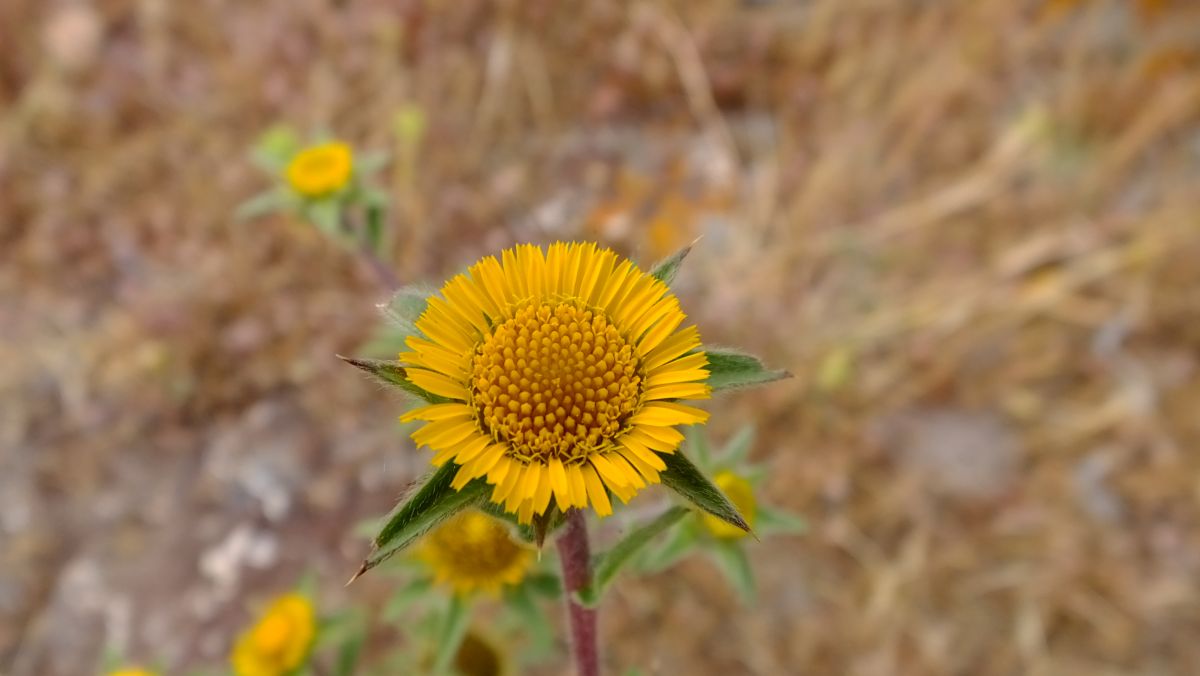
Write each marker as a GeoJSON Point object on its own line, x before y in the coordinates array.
{"type": "Point", "coordinates": [969, 228]}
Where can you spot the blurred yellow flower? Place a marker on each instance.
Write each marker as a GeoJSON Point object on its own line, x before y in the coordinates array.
{"type": "Point", "coordinates": [741, 494]}
{"type": "Point", "coordinates": [131, 672]}
{"type": "Point", "coordinates": [321, 169]}
{"type": "Point", "coordinates": [475, 551]}
{"type": "Point", "coordinates": [480, 656]}
{"type": "Point", "coordinates": [564, 368]}
{"type": "Point", "coordinates": [279, 642]}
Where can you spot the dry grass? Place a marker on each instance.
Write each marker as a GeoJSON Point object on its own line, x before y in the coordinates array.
{"type": "Point", "coordinates": [969, 227]}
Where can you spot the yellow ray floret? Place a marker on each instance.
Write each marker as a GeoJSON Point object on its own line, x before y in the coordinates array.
{"type": "Point", "coordinates": [564, 368]}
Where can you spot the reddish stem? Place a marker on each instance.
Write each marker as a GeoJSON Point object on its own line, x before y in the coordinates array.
{"type": "Point", "coordinates": [576, 568]}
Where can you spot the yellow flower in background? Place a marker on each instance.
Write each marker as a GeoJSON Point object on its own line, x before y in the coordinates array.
{"type": "Point", "coordinates": [480, 656]}
{"type": "Point", "coordinates": [472, 551]}
{"type": "Point", "coordinates": [280, 641]}
{"type": "Point", "coordinates": [131, 672]}
{"type": "Point", "coordinates": [321, 170]}
{"type": "Point", "coordinates": [741, 494]}
{"type": "Point", "coordinates": [563, 368]}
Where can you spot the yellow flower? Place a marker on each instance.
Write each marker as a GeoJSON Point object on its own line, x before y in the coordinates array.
{"type": "Point", "coordinates": [131, 671]}
{"type": "Point", "coordinates": [474, 551]}
{"type": "Point", "coordinates": [741, 494]}
{"type": "Point", "coordinates": [279, 642]}
{"type": "Point", "coordinates": [321, 169]}
{"type": "Point", "coordinates": [480, 656]}
{"type": "Point", "coordinates": [563, 369]}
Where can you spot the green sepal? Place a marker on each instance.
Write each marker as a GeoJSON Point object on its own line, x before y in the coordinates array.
{"type": "Point", "coordinates": [666, 269]}
{"type": "Point", "coordinates": [735, 565]}
{"type": "Point", "coordinates": [547, 522]}
{"type": "Point", "coordinates": [686, 479]}
{"type": "Point", "coordinates": [451, 630]}
{"type": "Point", "coordinates": [729, 369]}
{"type": "Point", "coordinates": [393, 374]}
{"type": "Point", "coordinates": [432, 503]}
{"type": "Point", "coordinates": [607, 564]}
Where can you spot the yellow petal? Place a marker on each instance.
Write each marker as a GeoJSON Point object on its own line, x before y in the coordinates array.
{"type": "Point", "coordinates": [578, 485]}
{"type": "Point", "coordinates": [436, 412]}
{"type": "Point", "coordinates": [677, 391]}
{"type": "Point", "coordinates": [595, 490]}
{"type": "Point", "coordinates": [612, 475]}
{"type": "Point", "coordinates": [438, 384]}
{"type": "Point", "coordinates": [666, 413]}
{"type": "Point", "coordinates": [672, 347]}
{"type": "Point", "coordinates": [558, 481]}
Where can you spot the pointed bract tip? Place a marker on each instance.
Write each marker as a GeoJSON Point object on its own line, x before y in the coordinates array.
{"type": "Point", "coordinates": [362, 569]}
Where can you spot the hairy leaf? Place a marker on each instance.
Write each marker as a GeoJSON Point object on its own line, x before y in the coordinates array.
{"type": "Point", "coordinates": [393, 374]}
{"type": "Point", "coordinates": [685, 479]}
{"type": "Point", "coordinates": [432, 503]}
{"type": "Point", "coordinates": [666, 269]}
{"type": "Point", "coordinates": [729, 369]}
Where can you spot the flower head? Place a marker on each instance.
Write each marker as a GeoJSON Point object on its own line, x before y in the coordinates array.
{"type": "Point", "coordinates": [279, 642]}
{"type": "Point", "coordinates": [321, 170]}
{"type": "Point", "coordinates": [474, 551]}
{"type": "Point", "coordinates": [131, 671]}
{"type": "Point", "coordinates": [562, 369]}
{"type": "Point", "coordinates": [741, 494]}
{"type": "Point", "coordinates": [479, 656]}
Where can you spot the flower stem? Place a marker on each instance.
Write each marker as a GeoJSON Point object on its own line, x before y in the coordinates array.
{"type": "Point", "coordinates": [576, 568]}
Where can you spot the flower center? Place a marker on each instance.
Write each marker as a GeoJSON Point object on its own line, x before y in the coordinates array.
{"type": "Point", "coordinates": [271, 635]}
{"type": "Point", "coordinates": [554, 381]}
{"type": "Point", "coordinates": [318, 163]}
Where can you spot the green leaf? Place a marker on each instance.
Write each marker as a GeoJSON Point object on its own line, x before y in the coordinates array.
{"type": "Point", "coordinates": [450, 635]}
{"type": "Point", "coordinates": [326, 215]}
{"type": "Point", "coordinates": [735, 565]}
{"type": "Point", "coordinates": [771, 521]}
{"type": "Point", "coordinates": [738, 446]}
{"type": "Point", "coordinates": [392, 373]}
{"type": "Point", "coordinates": [406, 307]}
{"type": "Point", "coordinates": [348, 653]}
{"type": "Point", "coordinates": [531, 621]}
{"type": "Point", "coordinates": [697, 442]}
{"type": "Point", "coordinates": [369, 162]}
{"type": "Point", "coordinates": [609, 563]}
{"type": "Point", "coordinates": [685, 479]}
{"type": "Point", "coordinates": [270, 201]}
{"type": "Point", "coordinates": [434, 502]}
{"type": "Point", "coordinates": [275, 148]}
{"type": "Point", "coordinates": [679, 544]}
{"type": "Point", "coordinates": [404, 599]}
{"type": "Point", "coordinates": [544, 584]}
{"type": "Point", "coordinates": [666, 269]}
{"type": "Point", "coordinates": [375, 228]}
{"type": "Point", "coordinates": [729, 369]}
